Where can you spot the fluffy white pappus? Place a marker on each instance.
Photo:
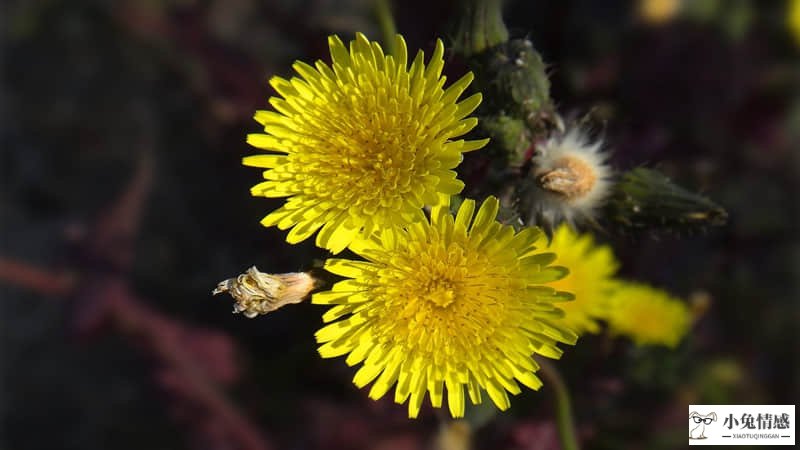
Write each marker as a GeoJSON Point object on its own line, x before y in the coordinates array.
{"type": "Point", "coordinates": [571, 179]}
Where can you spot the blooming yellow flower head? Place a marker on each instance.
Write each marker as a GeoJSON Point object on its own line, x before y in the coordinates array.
{"type": "Point", "coordinates": [361, 144]}
{"type": "Point", "coordinates": [590, 278]}
{"type": "Point", "coordinates": [648, 316]}
{"type": "Point", "coordinates": [445, 303]}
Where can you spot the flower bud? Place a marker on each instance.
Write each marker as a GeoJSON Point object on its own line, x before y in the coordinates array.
{"type": "Point", "coordinates": [257, 293]}
{"type": "Point", "coordinates": [645, 199]}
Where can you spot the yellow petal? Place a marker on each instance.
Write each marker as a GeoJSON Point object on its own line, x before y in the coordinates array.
{"type": "Point", "coordinates": [455, 397]}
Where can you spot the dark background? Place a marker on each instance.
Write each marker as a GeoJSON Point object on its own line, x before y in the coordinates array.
{"type": "Point", "coordinates": [124, 203]}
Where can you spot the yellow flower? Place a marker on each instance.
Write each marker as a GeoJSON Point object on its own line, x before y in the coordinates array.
{"type": "Point", "coordinates": [362, 144]}
{"type": "Point", "coordinates": [592, 268]}
{"type": "Point", "coordinates": [657, 12]}
{"type": "Point", "coordinates": [445, 304]}
{"type": "Point", "coordinates": [793, 19]}
{"type": "Point", "coordinates": [648, 315]}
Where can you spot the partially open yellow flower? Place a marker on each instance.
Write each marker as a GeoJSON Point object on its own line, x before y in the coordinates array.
{"type": "Point", "coordinates": [449, 302]}
{"type": "Point", "coordinates": [361, 144]}
{"type": "Point", "coordinates": [648, 316]}
{"type": "Point", "coordinates": [592, 268]}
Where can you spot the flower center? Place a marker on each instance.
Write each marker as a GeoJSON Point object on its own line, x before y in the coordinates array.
{"type": "Point", "coordinates": [381, 161]}
{"type": "Point", "coordinates": [441, 294]}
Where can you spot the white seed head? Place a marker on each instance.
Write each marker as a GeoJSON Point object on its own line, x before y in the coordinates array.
{"type": "Point", "coordinates": [257, 293]}
{"type": "Point", "coordinates": [571, 179]}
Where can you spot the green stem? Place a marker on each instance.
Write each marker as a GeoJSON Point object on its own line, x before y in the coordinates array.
{"type": "Point", "coordinates": [383, 12]}
{"type": "Point", "coordinates": [564, 419]}
{"type": "Point", "coordinates": [479, 26]}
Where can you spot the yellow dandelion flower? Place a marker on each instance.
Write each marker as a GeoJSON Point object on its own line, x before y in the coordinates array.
{"type": "Point", "coordinates": [590, 278]}
{"type": "Point", "coordinates": [446, 303]}
{"type": "Point", "coordinates": [363, 143]}
{"type": "Point", "coordinates": [648, 316]}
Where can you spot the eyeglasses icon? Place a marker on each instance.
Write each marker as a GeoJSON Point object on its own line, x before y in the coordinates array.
{"type": "Point", "coordinates": [706, 420]}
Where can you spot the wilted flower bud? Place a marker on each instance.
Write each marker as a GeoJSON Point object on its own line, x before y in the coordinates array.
{"type": "Point", "coordinates": [257, 293]}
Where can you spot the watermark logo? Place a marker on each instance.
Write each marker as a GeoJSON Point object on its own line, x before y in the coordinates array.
{"type": "Point", "coordinates": [699, 421]}
{"type": "Point", "coordinates": [742, 425]}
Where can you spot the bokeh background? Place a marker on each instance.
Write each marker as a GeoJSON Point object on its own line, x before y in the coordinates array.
{"type": "Point", "coordinates": [124, 202]}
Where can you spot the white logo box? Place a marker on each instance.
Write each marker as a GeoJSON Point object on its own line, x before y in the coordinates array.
{"type": "Point", "coordinates": [741, 424]}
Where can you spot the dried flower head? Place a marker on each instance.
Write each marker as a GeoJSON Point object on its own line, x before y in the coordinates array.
{"type": "Point", "coordinates": [257, 293]}
{"type": "Point", "coordinates": [648, 316]}
{"type": "Point", "coordinates": [446, 303]}
{"type": "Point", "coordinates": [570, 179]}
{"type": "Point", "coordinates": [363, 143]}
{"type": "Point", "coordinates": [592, 268]}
